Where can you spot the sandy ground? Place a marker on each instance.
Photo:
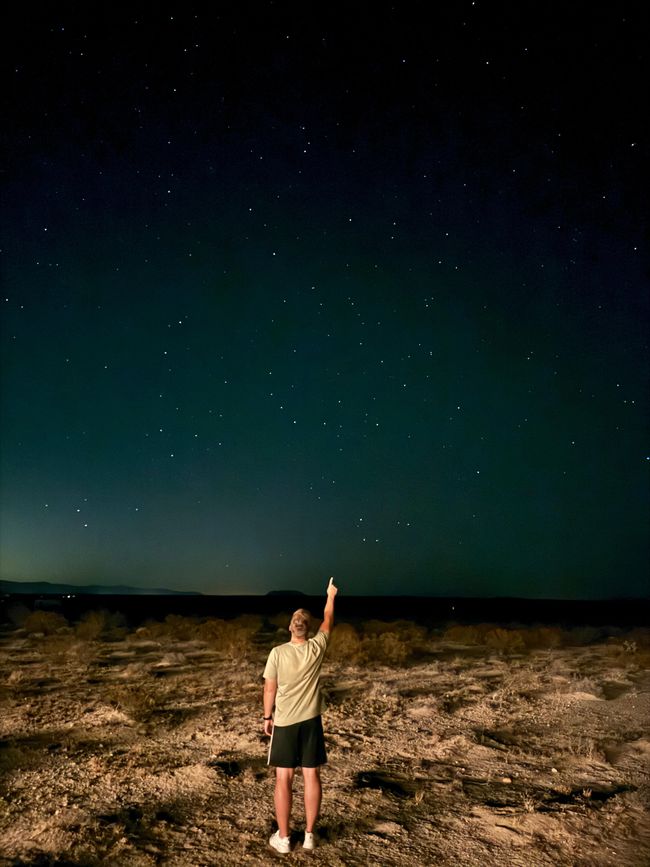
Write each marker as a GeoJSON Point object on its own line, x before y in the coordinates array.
{"type": "Point", "coordinates": [135, 751]}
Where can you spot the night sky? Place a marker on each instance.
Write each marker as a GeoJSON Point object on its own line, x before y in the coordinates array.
{"type": "Point", "coordinates": [338, 291]}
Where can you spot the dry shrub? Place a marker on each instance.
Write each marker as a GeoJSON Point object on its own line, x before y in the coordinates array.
{"type": "Point", "coordinates": [388, 648]}
{"type": "Point", "coordinates": [544, 637]}
{"type": "Point", "coordinates": [181, 628]}
{"type": "Point", "coordinates": [45, 622]}
{"type": "Point", "coordinates": [459, 634]}
{"type": "Point", "coordinates": [138, 702]}
{"type": "Point", "coordinates": [174, 626]}
{"type": "Point", "coordinates": [232, 637]}
{"type": "Point", "coordinates": [344, 644]}
{"type": "Point", "coordinates": [375, 627]}
{"type": "Point", "coordinates": [17, 614]}
{"type": "Point", "coordinates": [95, 625]}
{"type": "Point", "coordinates": [640, 637]}
{"type": "Point", "coordinates": [502, 639]}
{"type": "Point", "coordinates": [641, 659]}
{"type": "Point", "coordinates": [585, 747]}
{"type": "Point", "coordinates": [380, 646]}
{"type": "Point", "coordinates": [580, 636]}
{"type": "Point", "coordinates": [505, 640]}
{"type": "Point", "coordinates": [281, 620]}
{"type": "Point", "coordinates": [406, 630]}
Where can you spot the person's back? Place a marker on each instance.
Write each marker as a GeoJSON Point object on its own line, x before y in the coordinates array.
{"type": "Point", "coordinates": [296, 667]}
{"type": "Point", "coordinates": [292, 690]}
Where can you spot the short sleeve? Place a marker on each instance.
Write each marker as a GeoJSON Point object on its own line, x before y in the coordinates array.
{"type": "Point", "coordinates": [320, 640]}
{"type": "Point", "coordinates": [271, 668]}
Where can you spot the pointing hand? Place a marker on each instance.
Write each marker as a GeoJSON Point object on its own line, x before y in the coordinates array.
{"type": "Point", "coordinates": [332, 589]}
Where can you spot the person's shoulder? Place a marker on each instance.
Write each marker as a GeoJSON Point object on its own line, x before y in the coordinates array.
{"type": "Point", "coordinates": [281, 648]}
{"type": "Point", "coordinates": [277, 649]}
{"type": "Point", "coordinates": [321, 637]}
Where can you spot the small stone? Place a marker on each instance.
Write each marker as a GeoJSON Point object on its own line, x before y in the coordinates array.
{"type": "Point", "coordinates": [554, 770]}
{"type": "Point", "coordinates": [506, 779]}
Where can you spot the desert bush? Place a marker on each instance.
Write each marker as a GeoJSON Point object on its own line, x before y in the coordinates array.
{"type": "Point", "coordinates": [181, 628]}
{"type": "Point", "coordinates": [380, 646]}
{"type": "Point", "coordinates": [640, 637]}
{"type": "Point", "coordinates": [545, 637]}
{"type": "Point", "coordinates": [641, 659]}
{"type": "Point", "coordinates": [46, 622]}
{"type": "Point", "coordinates": [344, 644]}
{"type": "Point", "coordinates": [17, 614]}
{"type": "Point", "coordinates": [139, 703]}
{"type": "Point", "coordinates": [386, 648]}
{"type": "Point", "coordinates": [580, 636]}
{"type": "Point", "coordinates": [406, 630]}
{"type": "Point", "coordinates": [585, 747]}
{"type": "Point", "coordinates": [459, 634]}
{"type": "Point", "coordinates": [376, 627]}
{"type": "Point", "coordinates": [232, 637]}
{"type": "Point", "coordinates": [174, 626]}
{"type": "Point", "coordinates": [281, 620]}
{"type": "Point", "coordinates": [505, 640]}
{"type": "Point", "coordinates": [100, 624]}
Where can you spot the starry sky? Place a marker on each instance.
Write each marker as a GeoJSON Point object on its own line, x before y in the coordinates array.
{"type": "Point", "coordinates": [340, 291]}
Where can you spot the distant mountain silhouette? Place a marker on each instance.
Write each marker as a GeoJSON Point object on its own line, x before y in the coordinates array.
{"type": "Point", "coordinates": [45, 587]}
{"type": "Point", "coordinates": [286, 593]}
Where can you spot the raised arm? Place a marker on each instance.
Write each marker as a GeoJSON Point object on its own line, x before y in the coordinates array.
{"type": "Point", "coordinates": [328, 615]}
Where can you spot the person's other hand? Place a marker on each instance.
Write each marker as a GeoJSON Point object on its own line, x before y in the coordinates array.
{"type": "Point", "coordinates": [268, 727]}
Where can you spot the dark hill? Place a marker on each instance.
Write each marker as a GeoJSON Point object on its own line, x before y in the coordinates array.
{"type": "Point", "coordinates": [37, 588]}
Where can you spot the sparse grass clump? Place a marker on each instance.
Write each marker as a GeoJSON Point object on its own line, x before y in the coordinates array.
{"type": "Point", "coordinates": [459, 634]}
{"type": "Point", "coordinates": [640, 637]}
{"type": "Point", "coordinates": [281, 620]}
{"type": "Point", "coordinates": [140, 703]}
{"type": "Point", "coordinates": [391, 642]}
{"type": "Point", "coordinates": [387, 648]}
{"type": "Point", "coordinates": [581, 636]}
{"type": "Point", "coordinates": [542, 637]}
{"type": "Point", "coordinates": [502, 639]}
{"type": "Point", "coordinates": [44, 622]}
{"type": "Point", "coordinates": [174, 627]}
{"type": "Point", "coordinates": [406, 630]}
{"type": "Point", "coordinates": [101, 625]}
{"type": "Point", "coordinates": [231, 637]}
{"type": "Point", "coordinates": [380, 642]}
{"type": "Point", "coordinates": [505, 640]}
{"type": "Point", "coordinates": [344, 643]}
{"type": "Point", "coordinates": [17, 614]}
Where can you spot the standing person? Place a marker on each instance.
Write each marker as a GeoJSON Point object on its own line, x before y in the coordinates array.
{"type": "Point", "coordinates": [291, 684]}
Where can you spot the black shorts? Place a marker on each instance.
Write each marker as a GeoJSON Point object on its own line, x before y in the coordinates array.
{"type": "Point", "coordinates": [301, 745]}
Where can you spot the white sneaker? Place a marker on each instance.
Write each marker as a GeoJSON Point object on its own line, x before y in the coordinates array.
{"type": "Point", "coordinates": [280, 844]}
{"type": "Point", "coordinates": [310, 841]}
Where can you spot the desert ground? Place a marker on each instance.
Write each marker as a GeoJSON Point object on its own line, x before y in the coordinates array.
{"type": "Point", "coordinates": [463, 745]}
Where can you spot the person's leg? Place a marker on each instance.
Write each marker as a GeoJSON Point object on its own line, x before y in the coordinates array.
{"type": "Point", "coordinates": [313, 792]}
{"type": "Point", "coordinates": [283, 798]}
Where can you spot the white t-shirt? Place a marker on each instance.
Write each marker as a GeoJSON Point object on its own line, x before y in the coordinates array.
{"type": "Point", "coordinates": [296, 668]}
